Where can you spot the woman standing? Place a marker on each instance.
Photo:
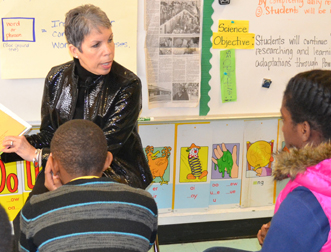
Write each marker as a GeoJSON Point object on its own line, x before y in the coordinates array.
{"type": "Point", "coordinates": [92, 87]}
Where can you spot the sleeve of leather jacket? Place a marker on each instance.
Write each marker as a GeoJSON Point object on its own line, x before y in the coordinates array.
{"type": "Point", "coordinates": [123, 115]}
{"type": "Point", "coordinates": [42, 139]}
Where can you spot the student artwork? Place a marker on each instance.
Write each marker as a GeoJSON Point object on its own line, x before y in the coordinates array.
{"type": "Point", "coordinates": [259, 158]}
{"type": "Point", "coordinates": [224, 162]}
{"type": "Point", "coordinates": [194, 164]}
{"type": "Point", "coordinates": [159, 165]}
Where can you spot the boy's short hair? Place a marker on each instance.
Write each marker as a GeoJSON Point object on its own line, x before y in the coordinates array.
{"type": "Point", "coordinates": [80, 147]}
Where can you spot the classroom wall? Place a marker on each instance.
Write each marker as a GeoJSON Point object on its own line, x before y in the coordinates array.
{"type": "Point", "coordinates": [23, 96]}
{"type": "Point", "coordinates": [197, 167]}
{"type": "Point", "coordinates": [285, 44]}
{"type": "Point", "coordinates": [290, 37]}
{"type": "Point", "coordinates": [33, 30]}
{"type": "Point", "coordinates": [281, 31]}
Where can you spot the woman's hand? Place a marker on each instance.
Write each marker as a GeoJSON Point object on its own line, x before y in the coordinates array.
{"type": "Point", "coordinates": [263, 232]}
{"type": "Point", "coordinates": [52, 181]}
{"type": "Point", "coordinates": [20, 146]}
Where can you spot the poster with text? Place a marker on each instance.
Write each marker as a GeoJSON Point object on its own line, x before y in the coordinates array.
{"type": "Point", "coordinates": [260, 138]}
{"type": "Point", "coordinates": [226, 163]}
{"type": "Point", "coordinates": [33, 39]}
{"type": "Point", "coordinates": [11, 197]}
{"type": "Point", "coordinates": [192, 166]}
{"type": "Point", "coordinates": [158, 144]}
{"type": "Point", "coordinates": [30, 173]}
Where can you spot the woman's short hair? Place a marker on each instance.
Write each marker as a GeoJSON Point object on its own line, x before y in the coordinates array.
{"type": "Point", "coordinates": [81, 20]}
{"type": "Point", "coordinates": [308, 98]}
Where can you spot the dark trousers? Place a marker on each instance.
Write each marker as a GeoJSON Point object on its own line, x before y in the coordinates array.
{"type": "Point", "coordinates": [38, 188]}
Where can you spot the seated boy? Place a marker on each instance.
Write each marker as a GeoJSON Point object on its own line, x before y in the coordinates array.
{"type": "Point", "coordinates": [87, 212]}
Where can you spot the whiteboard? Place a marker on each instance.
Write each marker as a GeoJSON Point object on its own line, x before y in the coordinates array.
{"type": "Point", "coordinates": [33, 38]}
{"type": "Point", "coordinates": [294, 29]}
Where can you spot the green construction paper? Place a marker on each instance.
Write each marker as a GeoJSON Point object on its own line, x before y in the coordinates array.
{"type": "Point", "coordinates": [206, 55]}
{"type": "Point", "coordinates": [228, 75]}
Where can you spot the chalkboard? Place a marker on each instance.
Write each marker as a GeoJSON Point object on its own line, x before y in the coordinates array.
{"type": "Point", "coordinates": [290, 37]}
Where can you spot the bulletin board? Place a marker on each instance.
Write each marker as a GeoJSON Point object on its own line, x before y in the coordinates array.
{"type": "Point", "coordinates": [290, 37]}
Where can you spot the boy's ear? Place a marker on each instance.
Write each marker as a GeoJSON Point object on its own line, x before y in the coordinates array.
{"type": "Point", "coordinates": [55, 167]}
{"type": "Point", "coordinates": [109, 159]}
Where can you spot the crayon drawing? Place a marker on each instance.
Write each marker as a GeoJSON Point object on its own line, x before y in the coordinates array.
{"type": "Point", "coordinates": [193, 164]}
{"type": "Point", "coordinates": [259, 158]}
{"type": "Point", "coordinates": [159, 163]}
{"type": "Point", "coordinates": [225, 163]}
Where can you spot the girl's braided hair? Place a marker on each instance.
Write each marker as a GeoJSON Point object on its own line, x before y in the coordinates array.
{"type": "Point", "coordinates": [308, 98]}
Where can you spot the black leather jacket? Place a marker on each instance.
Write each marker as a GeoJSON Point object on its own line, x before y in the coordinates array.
{"type": "Point", "coordinates": [112, 101]}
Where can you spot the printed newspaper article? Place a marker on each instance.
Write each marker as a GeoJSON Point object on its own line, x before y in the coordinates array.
{"type": "Point", "coordinates": [173, 50]}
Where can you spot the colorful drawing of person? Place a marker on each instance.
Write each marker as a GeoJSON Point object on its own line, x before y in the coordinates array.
{"type": "Point", "coordinates": [194, 163]}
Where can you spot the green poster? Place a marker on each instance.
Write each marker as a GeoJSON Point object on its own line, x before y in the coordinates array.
{"type": "Point", "coordinates": [228, 75]}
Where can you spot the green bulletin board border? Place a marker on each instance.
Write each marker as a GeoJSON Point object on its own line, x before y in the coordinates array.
{"type": "Point", "coordinates": [206, 56]}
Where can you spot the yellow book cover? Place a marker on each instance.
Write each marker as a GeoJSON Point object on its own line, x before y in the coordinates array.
{"type": "Point", "coordinates": [11, 124]}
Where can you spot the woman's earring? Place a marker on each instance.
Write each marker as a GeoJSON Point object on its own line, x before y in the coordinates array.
{"type": "Point", "coordinates": [76, 57]}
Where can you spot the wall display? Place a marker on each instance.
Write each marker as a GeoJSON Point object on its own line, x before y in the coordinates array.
{"type": "Point", "coordinates": [283, 47]}
{"type": "Point", "coordinates": [17, 181]}
{"type": "Point", "coordinates": [11, 196]}
{"type": "Point", "coordinates": [192, 166]}
{"type": "Point", "coordinates": [173, 35]}
{"type": "Point", "coordinates": [33, 39]}
{"type": "Point", "coordinates": [260, 139]}
{"type": "Point", "coordinates": [226, 163]}
{"type": "Point", "coordinates": [158, 143]}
